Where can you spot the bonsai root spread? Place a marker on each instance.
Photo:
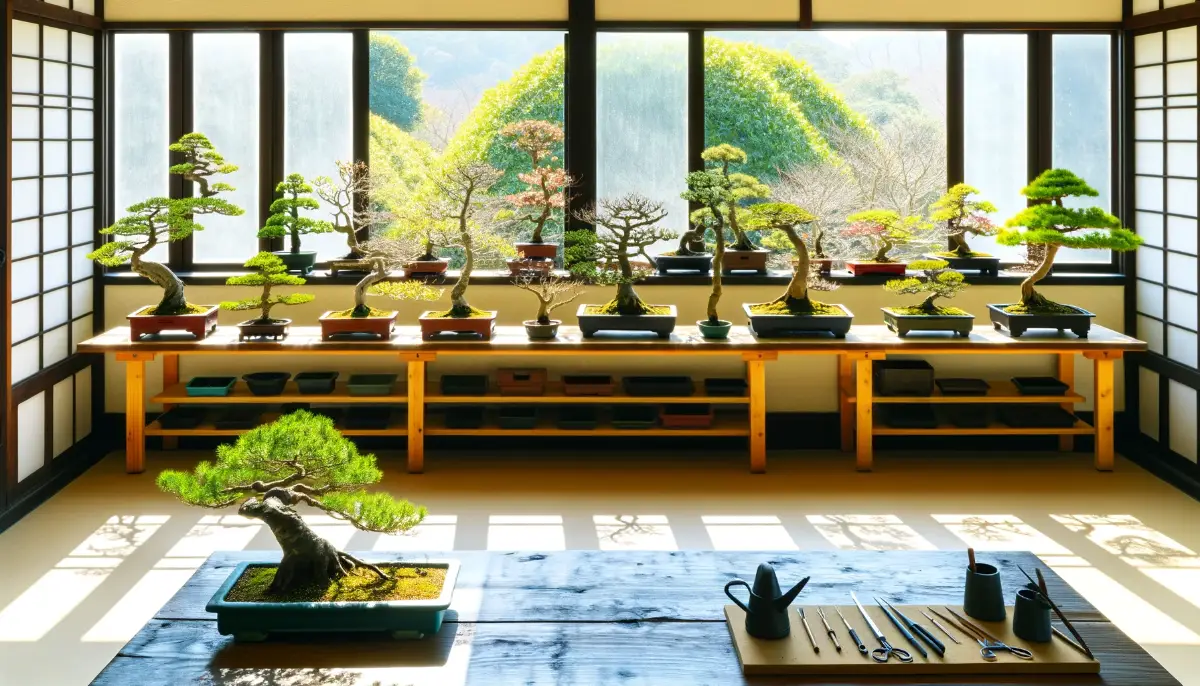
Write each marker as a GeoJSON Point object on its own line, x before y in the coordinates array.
{"type": "Point", "coordinates": [934, 312]}
{"type": "Point", "coordinates": [461, 313]}
{"type": "Point", "coordinates": [794, 306]}
{"type": "Point", "coordinates": [612, 307]}
{"type": "Point", "coordinates": [187, 309]}
{"type": "Point", "coordinates": [405, 582]}
{"type": "Point", "coordinates": [1041, 307]}
{"type": "Point", "coordinates": [355, 313]}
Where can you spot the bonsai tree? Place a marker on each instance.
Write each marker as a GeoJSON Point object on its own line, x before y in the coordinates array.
{"type": "Point", "coordinates": [624, 227]}
{"type": "Point", "coordinates": [884, 230]}
{"type": "Point", "coordinates": [552, 292]}
{"type": "Point", "coordinates": [269, 271]}
{"type": "Point", "coordinates": [545, 197]}
{"type": "Point", "coordinates": [935, 281]}
{"type": "Point", "coordinates": [285, 219]}
{"type": "Point", "coordinates": [712, 189]}
{"type": "Point", "coordinates": [351, 197]}
{"type": "Point", "coordinates": [300, 459]}
{"type": "Point", "coordinates": [385, 255]}
{"type": "Point", "coordinates": [165, 220]}
{"type": "Point", "coordinates": [787, 220]}
{"type": "Point", "coordinates": [1052, 225]}
{"type": "Point", "coordinates": [963, 216]}
{"type": "Point", "coordinates": [742, 187]}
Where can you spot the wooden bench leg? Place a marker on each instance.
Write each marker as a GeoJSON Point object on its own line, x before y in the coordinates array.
{"type": "Point", "coordinates": [416, 416]}
{"type": "Point", "coordinates": [135, 416]}
{"type": "Point", "coordinates": [1104, 407]}
{"type": "Point", "coordinates": [845, 407]}
{"type": "Point", "coordinates": [756, 375]}
{"type": "Point", "coordinates": [864, 398]}
{"type": "Point", "coordinates": [170, 374]}
{"type": "Point", "coordinates": [1066, 374]}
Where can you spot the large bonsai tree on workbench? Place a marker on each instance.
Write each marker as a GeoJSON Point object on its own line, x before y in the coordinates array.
{"type": "Point", "coordinates": [158, 221]}
{"type": "Point", "coordinates": [300, 459]}
{"type": "Point", "coordinates": [624, 228]}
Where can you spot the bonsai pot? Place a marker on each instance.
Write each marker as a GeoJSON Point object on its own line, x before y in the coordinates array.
{"type": "Point", "coordinates": [433, 326]}
{"type": "Point", "coordinates": [548, 251]}
{"type": "Point", "coordinates": [745, 261]}
{"type": "Point", "coordinates": [588, 384]}
{"type": "Point", "coordinates": [349, 264]}
{"type": "Point", "coordinates": [343, 326]}
{"type": "Point", "coordinates": [661, 324]}
{"type": "Point", "coordinates": [701, 264]}
{"type": "Point", "coordinates": [199, 325]}
{"type": "Point", "coordinates": [985, 265]}
{"type": "Point", "coordinates": [903, 377]}
{"type": "Point", "coordinates": [519, 266]}
{"type": "Point", "coordinates": [541, 332]}
{"type": "Point", "coordinates": [368, 418]}
{"type": "Point", "coordinates": [427, 267]}
{"type": "Point", "coordinates": [527, 382]}
{"type": "Point", "coordinates": [371, 384]}
{"type": "Point", "coordinates": [517, 417]}
{"type": "Point", "coordinates": [1078, 323]}
{"type": "Point", "coordinates": [890, 268]}
{"type": "Point", "coordinates": [254, 328]}
{"type": "Point", "coordinates": [302, 261]}
{"type": "Point", "coordinates": [821, 265]}
{"type": "Point", "coordinates": [715, 332]}
{"type": "Point", "coordinates": [254, 621]}
{"type": "Point", "coordinates": [768, 325]}
{"type": "Point", "coordinates": [266, 383]}
{"type": "Point", "coordinates": [210, 386]}
{"type": "Point", "coordinates": [901, 324]}
{"type": "Point", "coordinates": [687, 416]}
{"type": "Point", "coordinates": [316, 383]}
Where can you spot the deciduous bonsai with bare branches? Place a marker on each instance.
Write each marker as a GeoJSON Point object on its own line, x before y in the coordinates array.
{"type": "Point", "coordinates": [386, 255]}
{"type": "Point", "coordinates": [624, 228]}
{"type": "Point", "coordinates": [351, 198]}
{"type": "Point", "coordinates": [156, 221]}
{"type": "Point", "coordinates": [300, 459]}
{"type": "Point", "coordinates": [552, 292]}
{"type": "Point", "coordinates": [790, 220]}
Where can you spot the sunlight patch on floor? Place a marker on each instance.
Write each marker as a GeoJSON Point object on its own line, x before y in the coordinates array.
{"type": "Point", "coordinates": [747, 532]}
{"type": "Point", "coordinates": [869, 532]}
{"type": "Point", "coordinates": [435, 533]}
{"type": "Point", "coordinates": [634, 532]}
{"type": "Point", "coordinates": [999, 532]}
{"type": "Point", "coordinates": [526, 532]}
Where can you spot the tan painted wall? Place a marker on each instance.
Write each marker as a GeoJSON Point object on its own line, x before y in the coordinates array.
{"type": "Point", "coordinates": [329, 10]}
{"type": "Point", "coordinates": [967, 10]}
{"type": "Point", "coordinates": [794, 384]}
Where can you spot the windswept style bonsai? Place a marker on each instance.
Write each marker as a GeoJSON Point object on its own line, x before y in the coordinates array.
{"type": "Point", "coordinates": [544, 199]}
{"type": "Point", "coordinates": [269, 271]}
{"type": "Point", "coordinates": [155, 221]}
{"type": "Point", "coordinates": [963, 216]}
{"type": "Point", "coordinates": [286, 222]}
{"type": "Point", "coordinates": [351, 198]}
{"type": "Point", "coordinates": [552, 292]}
{"type": "Point", "coordinates": [300, 459]}
{"type": "Point", "coordinates": [385, 255]}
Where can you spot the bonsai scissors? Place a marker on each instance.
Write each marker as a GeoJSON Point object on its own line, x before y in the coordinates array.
{"type": "Point", "coordinates": [989, 644]}
{"type": "Point", "coordinates": [885, 651]}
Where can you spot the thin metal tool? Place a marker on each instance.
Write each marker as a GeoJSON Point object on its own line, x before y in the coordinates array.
{"type": "Point", "coordinates": [989, 643]}
{"type": "Point", "coordinates": [922, 632]}
{"type": "Point", "coordinates": [813, 641]}
{"type": "Point", "coordinates": [853, 634]}
{"type": "Point", "coordinates": [939, 625]}
{"type": "Point", "coordinates": [903, 630]}
{"type": "Point", "coordinates": [885, 651]}
{"type": "Point", "coordinates": [1041, 591]}
{"type": "Point", "coordinates": [829, 630]}
{"type": "Point", "coordinates": [1069, 641]}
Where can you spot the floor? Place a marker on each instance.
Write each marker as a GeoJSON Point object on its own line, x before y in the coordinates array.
{"type": "Point", "coordinates": [84, 571]}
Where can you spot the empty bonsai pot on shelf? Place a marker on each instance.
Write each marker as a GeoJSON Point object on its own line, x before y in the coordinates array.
{"type": "Point", "coordinates": [696, 264]}
{"type": "Point", "coordinates": [541, 332]}
{"type": "Point", "coordinates": [986, 265]}
{"type": "Point", "coordinates": [371, 384]}
{"type": "Point", "coordinates": [464, 384]}
{"type": "Point", "coordinates": [332, 324]}
{"type": "Point", "coordinates": [316, 383]}
{"type": "Point", "coordinates": [420, 267]}
{"type": "Point", "coordinates": [254, 619]}
{"type": "Point", "coordinates": [745, 261]}
{"type": "Point", "coordinates": [858, 268]}
{"type": "Point", "coordinates": [368, 418]}
{"type": "Point", "coordinates": [517, 417]}
{"type": "Point", "coordinates": [436, 324]}
{"type": "Point", "coordinates": [588, 384]}
{"type": "Point", "coordinates": [210, 386]}
{"type": "Point", "coordinates": [1078, 322]}
{"type": "Point", "coordinates": [199, 324]}
{"type": "Point", "coordinates": [526, 382]}
{"type": "Point", "coordinates": [302, 261]}
{"type": "Point", "coordinates": [902, 377]}
{"type": "Point", "coordinates": [714, 332]}
{"type": "Point", "coordinates": [901, 323]}
{"type": "Point", "coordinates": [266, 383]}
{"type": "Point", "coordinates": [592, 322]}
{"type": "Point", "coordinates": [255, 328]}
{"type": "Point", "coordinates": [783, 325]}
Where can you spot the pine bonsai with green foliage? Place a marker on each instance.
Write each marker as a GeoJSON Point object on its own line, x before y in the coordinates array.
{"type": "Point", "coordinates": [285, 220]}
{"type": "Point", "coordinates": [884, 231]}
{"type": "Point", "coordinates": [742, 187]}
{"type": "Point", "coordinates": [300, 459]}
{"type": "Point", "coordinates": [624, 228]}
{"type": "Point", "coordinates": [936, 280]}
{"type": "Point", "coordinates": [788, 220]}
{"type": "Point", "coordinates": [712, 189]}
{"type": "Point", "coordinates": [156, 221]}
{"type": "Point", "coordinates": [963, 216]}
{"type": "Point", "coordinates": [269, 271]}
{"type": "Point", "coordinates": [1051, 224]}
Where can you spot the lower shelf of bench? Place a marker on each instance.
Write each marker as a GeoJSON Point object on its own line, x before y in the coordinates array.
{"type": "Point", "coordinates": [722, 427]}
{"type": "Point", "coordinates": [993, 429]}
{"type": "Point", "coordinates": [207, 429]}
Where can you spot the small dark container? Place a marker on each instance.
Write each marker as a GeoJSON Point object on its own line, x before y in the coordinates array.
{"type": "Point", "coordinates": [464, 417]}
{"type": "Point", "coordinates": [588, 384]}
{"type": "Point", "coordinates": [635, 417]}
{"type": "Point", "coordinates": [1026, 417]}
{"type": "Point", "coordinates": [182, 418]}
{"type": "Point", "coordinates": [965, 387]}
{"type": "Point", "coordinates": [1031, 617]}
{"type": "Point", "coordinates": [727, 388]}
{"type": "Point", "coordinates": [903, 377]}
{"type": "Point", "coordinates": [699, 264]}
{"type": "Point", "coordinates": [983, 597]}
{"type": "Point", "coordinates": [1078, 323]}
{"type": "Point", "coordinates": [316, 383]}
{"type": "Point", "coordinates": [238, 419]}
{"type": "Point", "coordinates": [518, 417]}
{"type": "Point", "coordinates": [577, 417]}
{"type": "Point", "coordinates": [521, 381]}
{"type": "Point", "coordinates": [660, 324]}
{"type": "Point", "coordinates": [371, 384]}
{"type": "Point", "coordinates": [1040, 385]}
{"type": "Point", "coordinates": [464, 384]}
{"type": "Point", "coordinates": [789, 325]}
{"type": "Point", "coordinates": [649, 386]}
{"type": "Point", "coordinates": [971, 416]}
{"type": "Point", "coordinates": [687, 416]}
{"type": "Point", "coordinates": [211, 386]}
{"type": "Point", "coordinates": [986, 266]}
{"type": "Point", "coordinates": [368, 418]}
{"type": "Point", "coordinates": [916, 416]}
{"type": "Point", "coordinates": [266, 383]}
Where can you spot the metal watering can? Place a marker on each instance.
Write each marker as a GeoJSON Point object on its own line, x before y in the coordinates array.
{"type": "Point", "coordinates": [766, 615]}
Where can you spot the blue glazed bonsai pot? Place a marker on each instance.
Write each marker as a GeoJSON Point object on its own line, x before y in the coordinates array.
{"type": "Point", "coordinates": [400, 618]}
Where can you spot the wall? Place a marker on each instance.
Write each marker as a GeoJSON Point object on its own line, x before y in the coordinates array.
{"type": "Point", "coordinates": [794, 384]}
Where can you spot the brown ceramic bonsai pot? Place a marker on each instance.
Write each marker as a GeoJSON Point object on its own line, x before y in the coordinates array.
{"type": "Point", "coordinates": [255, 328]}
{"type": "Point", "coordinates": [547, 251]}
{"type": "Point", "coordinates": [541, 332]}
{"type": "Point", "coordinates": [199, 325]}
{"type": "Point", "coordinates": [341, 326]}
{"type": "Point", "coordinates": [433, 326]}
{"type": "Point", "coordinates": [745, 261]}
{"type": "Point", "coordinates": [518, 267]}
{"type": "Point", "coordinates": [427, 267]}
{"type": "Point", "coordinates": [890, 268]}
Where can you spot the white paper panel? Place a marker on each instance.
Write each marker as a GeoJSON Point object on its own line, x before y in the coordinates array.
{"type": "Point", "coordinates": [1151, 331]}
{"type": "Point", "coordinates": [26, 123]}
{"type": "Point", "coordinates": [54, 308]}
{"type": "Point", "coordinates": [31, 435]}
{"type": "Point", "coordinates": [81, 227]}
{"type": "Point", "coordinates": [1181, 197]}
{"type": "Point", "coordinates": [55, 101]}
{"type": "Point", "coordinates": [20, 99]}
{"type": "Point", "coordinates": [82, 124]}
{"type": "Point", "coordinates": [1181, 271]}
{"type": "Point", "coordinates": [54, 232]}
{"type": "Point", "coordinates": [81, 330]}
{"type": "Point", "coordinates": [25, 39]}
{"type": "Point", "coordinates": [81, 266]}
{"type": "Point", "coordinates": [1148, 103]}
{"type": "Point", "coordinates": [140, 121]}
{"type": "Point", "coordinates": [54, 195]}
{"type": "Point", "coordinates": [83, 404]}
{"type": "Point", "coordinates": [1181, 346]}
{"type": "Point", "coordinates": [54, 346]}
{"type": "Point", "coordinates": [26, 278]}
{"type": "Point", "coordinates": [54, 124]}
{"type": "Point", "coordinates": [1182, 101]}
{"type": "Point", "coordinates": [63, 418]}
{"type": "Point", "coordinates": [1150, 227]}
{"type": "Point", "coordinates": [1181, 78]}
{"type": "Point", "coordinates": [83, 82]}
{"type": "Point", "coordinates": [25, 315]}
{"type": "Point", "coordinates": [25, 238]}
{"type": "Point", "coordinates": [54, 43]}
{"type": "Point", "coordinates": [1150, 264]}
{"type": "Point", "coordinates": [83, 49]}
{"type": "Point", "coordinates": [54, 157]}
{"type": "Point", "coordinates": [1148, 49]}
{"type": "Point", "coordinates": [1181, 124]}
{"type": "Point", "coordinates": [1148, 125]}
{"type": "Point", "coordinates": [1181, 44]}
{"type": "Point", "coordinates": [1182, 420]}
{"type": "Point", "coordinates": [25, 78]}
{"type": "Point", "coordinates": [1148, 158]}
{"type": "Point", "coordinates": [1168, 4]}
{"type": "Point", "coordinates": [1148, 81]}
{"type": "Point", "coordinates": [85, 6]}
{"type": "Point", "coordinates": [1144, 6]}
{"type": "Point", "coordinates": [54, 270]}
{"type": "Point", "coordinates": [82, 190]}
{"type": "Point", "coordinates": [82, 154]}
{"type": "Point", "coordinates": [1181, 159]}
{"type": "Point", "coordinates": [1150, 299]}
{"type": "Point", "coordinates": [1148, 402]}
{"type": "Point", "coordinates": [81, 298]}
{"type": "Point", "coordinates": [1148, 193]}
{"type": "Point", "coordinates": [83, 103]}
{"type": "Point", "coordinates": [1181, 309]}
{"type": "Point", "coordinates": [25, 161]}
{"type": "Point", "coordinates": [26, 198]}
{"type": "Point", "coordinates": [60, 3]}
{"type": "Point", "coordinates": [54, 78]}
{"type": "Point", "coordinates": [1181, 234]}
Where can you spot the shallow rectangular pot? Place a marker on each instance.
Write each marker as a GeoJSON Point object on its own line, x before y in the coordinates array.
{"type": "Point", "coordinates": [902, 324]}
{"type": "Point", "coordinates": [745, 261]}
{"type": "Point", "coordinates": [767, 325]}
{"type": "Point", "coordinates": [519, 267]}
{"type": "Point", "coordinates": [199, 325]}
{"type": "Point", "coordinates": [701, 264]}
{"type": "Point", "coordinates": [989, 266]}
{"type": "Point", "coordinates": [546, 250]}
{"type": "Point", "coordinates": [302, 261]}
{"type": "Point", "coordinates": [254, 329]}
{"type": "Point", "coordinates": [1017, 324]}
{"type": "Point", "coordinates": [400, 618]}
{"type": "Point", "coordinates": [661, 324]}
{"type": "Point", "coordinates": [892, 268]}
{"type": "Point", "coordinates": [344, 326]}
{"type": "Point", "coordinates": [426, 267]}
{"type": "Point", "coordinates": [433, 327]}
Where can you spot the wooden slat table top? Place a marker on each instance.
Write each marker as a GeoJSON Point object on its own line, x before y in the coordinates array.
{"type": "Point", "coordinates": [584, 617]}
{"type": "Point", "coordinates": [686, 339]}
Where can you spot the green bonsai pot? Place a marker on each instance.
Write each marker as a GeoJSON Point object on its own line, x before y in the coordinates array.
{"type": "Point", "coordinates": [716, 332]}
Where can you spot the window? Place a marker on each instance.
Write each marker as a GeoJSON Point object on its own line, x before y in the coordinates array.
{"type": "Point", "coordinates": [141, 121]}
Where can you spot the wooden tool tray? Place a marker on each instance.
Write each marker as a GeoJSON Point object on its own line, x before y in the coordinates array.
{"type": "Point", "coordinates": [794, 654]}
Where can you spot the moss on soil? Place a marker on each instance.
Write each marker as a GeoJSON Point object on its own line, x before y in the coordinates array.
{"type": "Point", "coordinates": [1046, 308]}
{"type": "Point", "coordinates": [611, 308]}
{"type": "Point", "coordinates": [372, 312]}
{"type": "Point", "coordinates": [471, 313]}
{"type": "Point", "coordinates": [954, 254]}
{"type": "Point", "coordinates": [362, 585]}
{"type": "Point", "coordinates": [190, 309]}
{"type": "Point", "coordinates": [935, 312]}
{"type": "Point", "coordinates": [814, 308]}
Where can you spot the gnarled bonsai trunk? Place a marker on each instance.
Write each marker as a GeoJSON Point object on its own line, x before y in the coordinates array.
{"type": "Point", "coordinates": [692, 242]}
{"type": "Point", "coordinates": [797, 291]}
{"type": "Point", "coordinates": [266, 304]}
{"type": "Point", "coordinates": [958, 244]}
{"type": "Point", "coordinates": [459, 307]}
{"type": "Point", "coordinates": [173, 301]}
{"type": "Point", "coordinates": [885, 246]}
{"type": "Point", "coordinates": [628, 301]}
{"type": "Point", "coordinates": [928, 304]}
{"type": "Point", "coordinates": [714, 296]}
{"type": "Point", "coordinates": [743, 241]}
{"type": "Point", "coordinates": [294, 237]}
{"type": "Point", "coordinates": [1029, 296]}
{"type": "Point", "coordinates": [378, 273]}
{"type": "Point", "coordinates": [543, 315]}
{"type": "Point", "coordinates": [818, 250]}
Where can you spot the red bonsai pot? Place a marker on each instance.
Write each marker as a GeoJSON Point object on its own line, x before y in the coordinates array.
{"type": "Point", "coordinates": [427, 267]}
{"type": "Point", "coordinates": [891, 268]}
{"type": "Point", "coordinates": [377, 326]}
{"type": "Point", "coordinates": [548, 251]}
{"type": "Point", "coordinates": [199, 325]}
{"type": "Point", "coordinates": [432, 326]}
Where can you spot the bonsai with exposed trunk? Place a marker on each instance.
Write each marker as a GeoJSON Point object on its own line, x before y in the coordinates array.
{"type": "Point", "coordinates": [624, 228]}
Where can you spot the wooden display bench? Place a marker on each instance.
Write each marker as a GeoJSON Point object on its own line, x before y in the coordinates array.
{"type": "Point", "coordinates": [855, 353]}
